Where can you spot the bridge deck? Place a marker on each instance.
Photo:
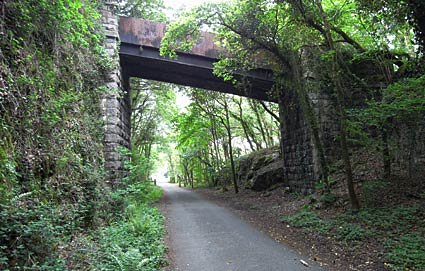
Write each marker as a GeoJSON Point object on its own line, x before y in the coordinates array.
{"type": "Point", "coordinates": [139, 56]}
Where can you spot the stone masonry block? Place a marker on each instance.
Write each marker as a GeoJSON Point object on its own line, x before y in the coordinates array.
{"type": "Point", "coordinates": [110, 147]}
{"type": "Point", "coordinates": [113, 165]}
{"type": "Point", "coordinates": [112, 156]}
{"type": "Point", "coordinates": [111, 34]}
{"type": "Point", "coordinates": [113, 85]}
{"type": "Point", "coordinates": [113, 138]}
{"type": "Point", "coordinates": [114, 129]}
{"type": "Point", "coordinates": [112, 120]}
{"type": "Point", "coordinates": [114, 103]}
{"type": "Point", "coordinates": [112, 112]}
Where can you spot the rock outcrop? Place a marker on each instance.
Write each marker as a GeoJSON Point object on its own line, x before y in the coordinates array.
{"type": "Point", "coordinates": [261, 169]}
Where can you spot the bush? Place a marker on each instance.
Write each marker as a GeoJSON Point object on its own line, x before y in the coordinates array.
{"type": "Point", "coordinates": [328, 199]}
{"type": "Point", "coordinates": [30, 236]}
{"type": "Point", "coordinates": [371, 188]}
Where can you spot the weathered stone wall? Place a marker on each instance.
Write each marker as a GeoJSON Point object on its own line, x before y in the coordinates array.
{"type": "Point", "coordinates": [300, 155]}
{"type": "Point", "coordinates": [408, 150]}
{"type": "Point", "coordinates": [300, 171]}
{"type": "Point", "coordinates": [301, 162]}
{"type": "Point", "coordinates": [115, 103]}
{"type": "Point", "coordinates": [299, 151]}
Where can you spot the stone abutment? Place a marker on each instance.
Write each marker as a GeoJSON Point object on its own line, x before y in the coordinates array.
{"type": "Point", "coordinates": [115, 104]}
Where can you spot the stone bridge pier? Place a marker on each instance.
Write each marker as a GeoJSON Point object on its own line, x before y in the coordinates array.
{"type": "Point", "coordinates": [302, 169]}
{"type": "Point", "coordinates": [115, 103]}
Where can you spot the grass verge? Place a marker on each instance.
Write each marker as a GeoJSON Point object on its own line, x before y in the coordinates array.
{"type": "Point", "coordinates": [132, 241]}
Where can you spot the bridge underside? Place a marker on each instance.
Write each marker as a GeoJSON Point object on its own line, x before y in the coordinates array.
{"type": "Point", "coordinates": [139, 57]}
{"type": "Point", "coordinates": [191, 70]}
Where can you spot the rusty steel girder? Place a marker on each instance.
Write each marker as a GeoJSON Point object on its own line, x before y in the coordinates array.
{"type": "Point", "coordinates": [147, 33]}
{"type": "Point", "coordinates": [139, 57]}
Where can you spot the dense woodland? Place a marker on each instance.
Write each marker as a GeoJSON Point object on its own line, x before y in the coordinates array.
{"type": "Point", "coordinates": [57, 211]}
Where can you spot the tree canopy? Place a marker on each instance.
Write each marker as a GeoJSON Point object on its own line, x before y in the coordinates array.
{"type": "Point", "coordinates": [280, 34]}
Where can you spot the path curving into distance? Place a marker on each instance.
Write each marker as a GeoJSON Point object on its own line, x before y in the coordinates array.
{"type": "Point", "coordinates": [207, 237]}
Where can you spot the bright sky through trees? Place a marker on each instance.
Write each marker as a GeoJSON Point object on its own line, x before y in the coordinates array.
{"type": "Point", "coordinates": [191, 3]}
{"type": "Point", "coordinates": [172, 6]}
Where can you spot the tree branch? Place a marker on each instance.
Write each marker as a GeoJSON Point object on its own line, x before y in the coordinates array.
{"type": "Point", "coordinates": [276, 117]}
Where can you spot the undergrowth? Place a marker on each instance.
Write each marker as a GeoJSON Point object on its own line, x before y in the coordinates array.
{"type": "Point", "coordinates": [52, 182]}
{"type": "Point", "coordinates": [307, 219]}
{"type": "Point", "coordinates": [401, 230]}
{"type": "Point", "coordinates": [134, 241]}
{"type": "Point", "coordinates": [56, 210]}
{"type": "Point", "coordinates": [406, 252]}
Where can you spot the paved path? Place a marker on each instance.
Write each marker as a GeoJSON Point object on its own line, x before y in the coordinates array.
{"type": "Point", "coordinates": [207, 237]}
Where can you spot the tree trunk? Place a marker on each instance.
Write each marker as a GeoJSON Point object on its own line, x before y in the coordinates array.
{"type": "Point", "coordinates": [269, 130]}
{"type": "Point", "coordinates": [341, 108]}
{"type": "Point", "coordinates": [191, 178]}
{"type": "Point", "coordinates": [412, 140]}
{"type": "Point", "coordinates": [346, 157]}
{"type": "Point", "coordinates": [281, 122]}
{"type": "Point", "coordinates": [172, 174]}
{"type": "Point", "coordinates": [244, 125]}
{"type": "Point", "coordinates": [214, 147]}
{"type": "Point", "coordinates": [386, 154]}
{"type": "Point", "coordinates": [229, 136]}
{"type": "Point", "coordinates": [260, 122]}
